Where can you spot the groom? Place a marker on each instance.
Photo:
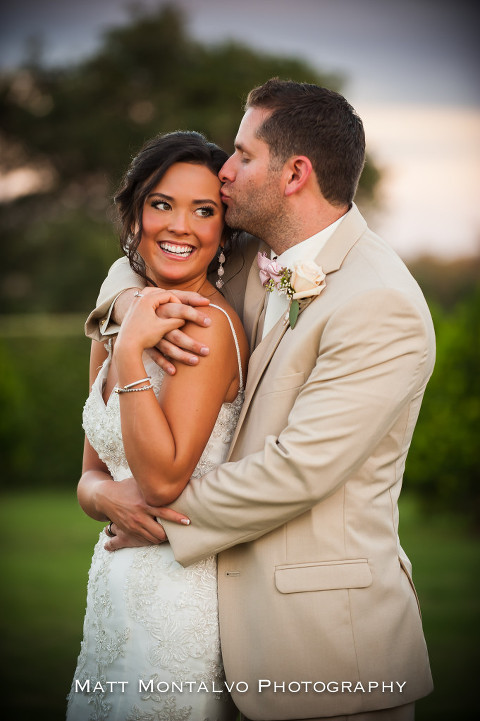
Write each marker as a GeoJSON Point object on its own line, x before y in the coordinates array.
{"type": "Point", "coordinates": [318, 612]}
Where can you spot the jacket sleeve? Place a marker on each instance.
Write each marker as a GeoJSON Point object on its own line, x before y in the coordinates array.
{"type": "Point", "coordinates": [120, 277]}
{"type": "Point", "coordinates": [375, 355]}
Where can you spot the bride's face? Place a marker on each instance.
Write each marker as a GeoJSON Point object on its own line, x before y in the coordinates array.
{"type": "Point", "coordinates": [182, 226]}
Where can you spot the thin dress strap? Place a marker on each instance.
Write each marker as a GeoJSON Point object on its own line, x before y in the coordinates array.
{"type": "Point", "coordinates": [239, 358]}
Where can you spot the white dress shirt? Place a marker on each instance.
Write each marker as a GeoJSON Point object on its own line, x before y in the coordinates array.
{"type": "Point", "coordinates": [277, 303]}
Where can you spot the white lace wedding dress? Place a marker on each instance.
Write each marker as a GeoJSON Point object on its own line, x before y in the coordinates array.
{"type": "Point", "coordinates": [151, 648]}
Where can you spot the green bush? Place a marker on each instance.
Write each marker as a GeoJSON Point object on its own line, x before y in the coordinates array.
{"type": "Point", "coordinates": [442, 466]}
{"type": "Point", "coordinates": [43, 385]}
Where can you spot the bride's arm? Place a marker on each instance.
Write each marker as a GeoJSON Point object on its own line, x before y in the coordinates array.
{"type": "Point", "coordinates": [164, 439]}
{"type": "Point", "coordinates": [104, 499]}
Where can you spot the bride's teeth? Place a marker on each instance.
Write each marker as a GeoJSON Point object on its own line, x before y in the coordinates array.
{"type": "Point", "coordinates": [183, 251]}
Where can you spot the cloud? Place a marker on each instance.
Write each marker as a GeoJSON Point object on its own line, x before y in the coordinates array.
{"type": "Point", "coordinates": [431, 161]}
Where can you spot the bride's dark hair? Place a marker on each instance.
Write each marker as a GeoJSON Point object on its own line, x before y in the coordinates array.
{"type": "Point", "coordinates": [145, 172]}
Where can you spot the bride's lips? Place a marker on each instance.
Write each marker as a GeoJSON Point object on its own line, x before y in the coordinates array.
{"type": "Point", "coordinates": [179, 251]}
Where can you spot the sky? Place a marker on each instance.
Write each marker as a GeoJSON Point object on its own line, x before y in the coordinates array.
{"type": "Point", "coordinates": [411, 69]}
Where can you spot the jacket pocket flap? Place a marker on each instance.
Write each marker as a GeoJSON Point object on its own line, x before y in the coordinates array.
{"type": "Point", "coordinates": [325, 576]}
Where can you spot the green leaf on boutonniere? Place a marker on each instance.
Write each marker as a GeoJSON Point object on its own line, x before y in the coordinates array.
{"type": "Point", "coordinates": [293, 314]}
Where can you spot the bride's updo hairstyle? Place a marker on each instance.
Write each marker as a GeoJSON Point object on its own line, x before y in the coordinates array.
{"type": "Point", "coordinates": [146, 170]}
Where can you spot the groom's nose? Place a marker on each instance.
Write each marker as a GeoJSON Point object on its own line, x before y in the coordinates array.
{"type": "Point", "coordinates": [227, 171]}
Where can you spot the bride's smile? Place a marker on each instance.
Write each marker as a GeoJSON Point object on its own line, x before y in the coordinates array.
{"type": "Point", "coordinates": [178, 250]}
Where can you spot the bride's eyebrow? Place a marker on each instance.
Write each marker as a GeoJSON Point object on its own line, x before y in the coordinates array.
{"type": "Point", "coordinates": [160, 195]}
{"type": "Point", "coordinates": [199, 201]}
{"type": "Point", "coordinates": [202, 201]}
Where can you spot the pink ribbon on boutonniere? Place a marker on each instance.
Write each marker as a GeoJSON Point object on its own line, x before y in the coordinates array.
{"type": "Point", "coordinates": [269, 269]}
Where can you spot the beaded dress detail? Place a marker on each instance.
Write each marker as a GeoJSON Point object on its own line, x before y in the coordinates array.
{"type": "Point", "coordinates": [150, 649]}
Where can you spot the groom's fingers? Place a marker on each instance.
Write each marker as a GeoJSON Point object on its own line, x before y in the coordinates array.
{"type": "Point", "coordinates": [179, 339]}
{"type": "Point", "coordinates": [190, 298]}
{"type": "Point", "coordinates": [162, 361]}
{"type": "Point", "coordinates": [186, 312]}
{"type": "Point", "coordinates": [179, 347]}
{"type": "Point", "coordinates": [167, 352]}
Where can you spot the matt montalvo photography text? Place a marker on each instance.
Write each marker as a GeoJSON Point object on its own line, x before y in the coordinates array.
{"type": "Point", "coordinates": [149, 686]}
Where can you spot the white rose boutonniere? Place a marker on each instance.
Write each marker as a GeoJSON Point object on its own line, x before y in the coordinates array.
{"type": "Point", "coordinates": [305, 280]}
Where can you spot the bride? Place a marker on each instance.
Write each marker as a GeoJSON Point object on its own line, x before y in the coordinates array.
{"type": "Point", "coordinates": [151, 647]}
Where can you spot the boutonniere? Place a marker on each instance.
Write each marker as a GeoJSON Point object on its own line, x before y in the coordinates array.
{"type": "Point", "coordinates": [304, 280]}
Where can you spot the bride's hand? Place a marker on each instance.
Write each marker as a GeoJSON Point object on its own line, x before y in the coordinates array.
{"type": "Point", "coordinates": [119, 539]}
{"type": "Point", "coordinates": [132, 517]}
{"type": "Point", "coordinates": [142, 327]}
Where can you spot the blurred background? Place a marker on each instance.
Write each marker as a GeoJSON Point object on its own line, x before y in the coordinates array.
{"type": "Point", "coordinates": [82, 85]}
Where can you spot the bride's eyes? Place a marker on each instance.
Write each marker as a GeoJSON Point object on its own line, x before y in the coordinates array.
{"type": "Point", "coordinates": [161, 205]}
{"type": "Point", "coordinates": [205, 211]}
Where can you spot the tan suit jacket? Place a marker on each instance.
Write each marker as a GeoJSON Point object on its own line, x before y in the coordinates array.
{"type": "Point", "coordinates": [314, 587]}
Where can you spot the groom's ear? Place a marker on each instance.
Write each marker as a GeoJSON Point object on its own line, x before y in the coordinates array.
{"type": "Point", "coordinates": [298, 170]}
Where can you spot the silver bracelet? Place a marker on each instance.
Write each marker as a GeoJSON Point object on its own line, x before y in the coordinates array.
{"type": "Point", "coordinates": [137, 383]}
{"type": "Point", "coordinates": [126, 389]}
{"type": "Point", "coordinates": [129, 386]}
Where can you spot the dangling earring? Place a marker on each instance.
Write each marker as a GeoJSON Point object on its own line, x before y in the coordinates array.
{"type": "Point", "coordinates": [221, 270]}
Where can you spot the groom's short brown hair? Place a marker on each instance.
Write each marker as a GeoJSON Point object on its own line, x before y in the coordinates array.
{"type": "Point", "coordinates": [318, 123]}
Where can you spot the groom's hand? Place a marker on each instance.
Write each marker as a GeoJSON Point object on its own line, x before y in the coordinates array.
{"type": "Point", "coordinates": [176, 345]}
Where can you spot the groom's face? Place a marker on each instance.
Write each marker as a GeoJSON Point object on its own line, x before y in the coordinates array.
{"type": "Point", "coordinates": [251, 186]}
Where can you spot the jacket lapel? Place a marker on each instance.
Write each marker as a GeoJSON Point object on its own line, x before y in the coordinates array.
{"type": "Point", "coordinates": [342, 241]}
{"type": "Point", "coordinates": [330, 258]}
{"type": "Point", "coordinates": [254, 299]}
{"type": "Point", "coordinates": [259, 360]}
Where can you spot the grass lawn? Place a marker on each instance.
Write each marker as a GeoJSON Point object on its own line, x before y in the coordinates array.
{"type": "Point", "coordinates": [47, 544]}
{"type": "Point", "coordinates": [446, 565]}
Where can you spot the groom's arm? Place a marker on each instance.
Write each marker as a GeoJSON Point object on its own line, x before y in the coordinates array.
{"type": "Point", "coordinates": [120, 278]}
{"type": "Point", "coordinates": [371, 367]}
